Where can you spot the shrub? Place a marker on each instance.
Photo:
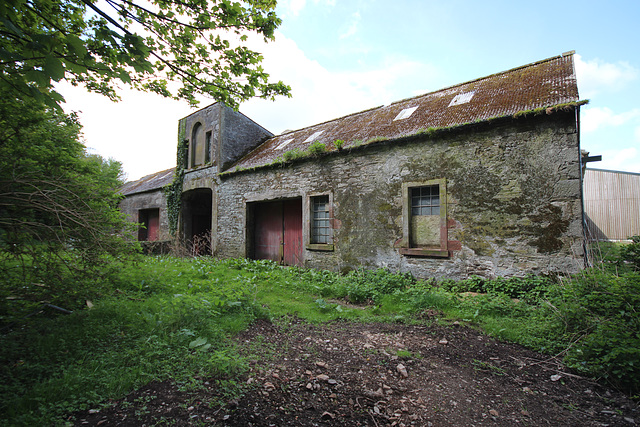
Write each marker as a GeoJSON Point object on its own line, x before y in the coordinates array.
{"type": "Point", "coordinates": [363, 285]}
{"type": "Point", "coordinates": [631, 253]}
{"type": "Point", "coordinates": [599, 312]}
{"type": "Point", "coordinates": [530, 288]}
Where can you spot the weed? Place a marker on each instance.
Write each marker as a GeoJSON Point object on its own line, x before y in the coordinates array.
{"type": "Point", "coordinates": [406, 354]}
{"type": "Point", "coordinates": [291, 155]}
{"type": "Point", "coordinates": [316, 148]}
{"type": "Point", "coordinates": [480, 365]}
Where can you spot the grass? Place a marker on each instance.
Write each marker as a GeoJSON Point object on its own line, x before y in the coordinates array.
{"type": "Point", "coordinates": [163, 318]}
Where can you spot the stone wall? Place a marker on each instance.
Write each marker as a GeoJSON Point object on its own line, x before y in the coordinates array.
{"type": "Point", "coordinates": [513, 200]}
{"type": "Point", "coordinates": [148, 200]}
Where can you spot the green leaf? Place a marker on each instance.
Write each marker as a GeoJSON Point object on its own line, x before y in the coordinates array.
{"type": "Point", "coordinates": [38, 77]}
{"type": "Point", "coordinates": [198, 342]}
{"type": "Point", "coordinates": [124, 76]}
{"type": "Point", "coordinates": [53, 68]}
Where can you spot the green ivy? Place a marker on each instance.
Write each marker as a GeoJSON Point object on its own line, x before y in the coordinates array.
{"type": "Point", "coordinates": [173, 191]}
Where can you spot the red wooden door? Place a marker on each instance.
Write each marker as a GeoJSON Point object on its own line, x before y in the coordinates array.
{"type": "Point", "coordinates": [292, 233]}
{"type": "Point", "coordinates": [268, 231]}
{"type": "Point", "coordinates": [278, 231]}
{"type": "Point", "coordinates": [153, 225]}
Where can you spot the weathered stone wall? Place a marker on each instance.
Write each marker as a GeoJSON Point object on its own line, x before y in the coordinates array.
{"type": "Point", "coordinates": [232, 135]}
{"type": "Point", "coordinates": [209, 118]}
{"type": "Point", "coordinates": [148, 200]}
{"type": "Point", "coordinates": [513, 189]}
{"type": "Point", "coordinates": [239, 135]}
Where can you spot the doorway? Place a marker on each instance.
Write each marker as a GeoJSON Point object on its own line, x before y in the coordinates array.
{"type": "Point", "coordinates": [277, 231]}
{"type": "Point", "coordinates": [196, 217]}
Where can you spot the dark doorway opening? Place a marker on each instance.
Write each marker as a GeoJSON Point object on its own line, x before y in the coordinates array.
{"type": "Point", "coordinates": [150, 224]}
{"type": "Point", "coordinates": [276, 231]}
{"type": "Point", "coordinates": [196, 219]}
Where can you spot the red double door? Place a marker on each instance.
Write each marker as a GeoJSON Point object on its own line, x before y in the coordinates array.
{"type": "Point", "coordinates": [278, 231]}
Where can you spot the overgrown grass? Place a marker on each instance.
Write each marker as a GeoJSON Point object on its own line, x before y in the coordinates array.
{"type": "Point", "coordinates": [168, 318]}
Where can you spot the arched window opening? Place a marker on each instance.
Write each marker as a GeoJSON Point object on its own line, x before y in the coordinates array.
{"type": "Point", "coordinates": [197, 146]}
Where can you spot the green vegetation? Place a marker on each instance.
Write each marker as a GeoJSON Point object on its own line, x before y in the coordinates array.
{"type": "Point", "coordinates": [316, 148]}
{"type": "Point", "coordinates": [630, 254]}
{"type": "Point", "coordinates": [144, 45]}
{"type": "Point", "coordinates": [59, 221]}
{"type": "Point", "coordinates": [163, 318]}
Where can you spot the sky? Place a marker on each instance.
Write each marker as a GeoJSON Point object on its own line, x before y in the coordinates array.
{"type": "Point", "coordinates": [345, 56]}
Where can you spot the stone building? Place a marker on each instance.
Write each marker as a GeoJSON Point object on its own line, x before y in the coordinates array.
{"type": "Point", "coordinates": [481, 178]}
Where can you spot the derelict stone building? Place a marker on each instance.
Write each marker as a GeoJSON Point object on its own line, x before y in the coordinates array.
{"type": "Point", "coordinates": [481, 178]}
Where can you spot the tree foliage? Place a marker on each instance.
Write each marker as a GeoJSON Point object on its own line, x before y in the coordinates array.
{"type": "Point", "coordinates": [145, 44]}
{"type": "Point", "coordinates": [58, 204]}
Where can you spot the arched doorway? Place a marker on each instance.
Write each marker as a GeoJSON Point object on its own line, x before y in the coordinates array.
{"type": "Point", "coordinates": [196, 220]}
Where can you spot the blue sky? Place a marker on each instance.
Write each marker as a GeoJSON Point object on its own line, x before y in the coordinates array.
{"type": "Point", "coordinates": [343, 56]}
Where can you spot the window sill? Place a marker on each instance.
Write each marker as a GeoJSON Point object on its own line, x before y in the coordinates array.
{"type": "Point", "coordinates": [420, 252]}
{"type": "Point", "coordinates": [320, 247]}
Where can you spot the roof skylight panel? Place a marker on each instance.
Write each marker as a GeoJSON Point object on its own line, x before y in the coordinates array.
{"type": "Point", "coordinates": [405, 114]}
{"type": "Point", "coordinates": [284, 144]}
{"type": "Point", "coordinates": [461, 98]}
{"type": "Point", "coordinates": [314, 136]}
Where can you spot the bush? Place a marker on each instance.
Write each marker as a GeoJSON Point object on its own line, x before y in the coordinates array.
{"type": "Point", "coordinates": [364, 285]}
{"type": "Point", "coordinates": [530, 288]}
{"type": "Point", "coordinates": [631, 253]}
{"type": "Point", "coordinates": [599, 314]}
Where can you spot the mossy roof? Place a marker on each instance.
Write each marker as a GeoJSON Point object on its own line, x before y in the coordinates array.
{"type": "Point", "coordinates": [151, 182]}
{"type": "Point", "coordinates": [547, 83]}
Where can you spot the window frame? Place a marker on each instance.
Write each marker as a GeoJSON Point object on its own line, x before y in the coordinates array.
{"type": "Point", "coordinates": [406, 248]}
{"type": "Point", "coordinates": [207, 148]}
{"type": "Point", "coordinates": [311, 245]}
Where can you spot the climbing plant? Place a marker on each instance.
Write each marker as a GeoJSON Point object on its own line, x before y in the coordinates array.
{"type": "Point", "coordinates": [173, 191]}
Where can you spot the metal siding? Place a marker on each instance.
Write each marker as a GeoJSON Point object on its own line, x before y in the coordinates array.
{"type": "Point", "coordinates": [612, 204]}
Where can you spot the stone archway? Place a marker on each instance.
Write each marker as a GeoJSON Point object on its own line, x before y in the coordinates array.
{"type": "Point", "coordinates": [197, 220]}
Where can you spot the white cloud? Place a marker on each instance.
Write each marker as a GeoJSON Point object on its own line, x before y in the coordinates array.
{"type": "Point", "coordinates": [141, 130]}
{"type": "Point", "coordinates": [320, 94]}
{"type": "Point", "coordinates": [353, 26]}
{"type": "Point", "coordinates": [595, 76]}
{"type": "Point", "coordinates": [287, 8]}
{"type": "Point", "coordinates": [595, 118]}
{"type": "Point", "coordinates": [623, 160]}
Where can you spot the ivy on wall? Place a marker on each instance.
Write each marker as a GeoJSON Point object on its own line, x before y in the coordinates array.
{"type": "Point", "coordinates": [173, 191]}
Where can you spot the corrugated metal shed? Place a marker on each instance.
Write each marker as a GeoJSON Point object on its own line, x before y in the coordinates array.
{"type": "Point", "coordinates": [148, 183]}
{"type": "Point", "coordinates": [542, 84]}
{"type": "Point", "coordinates": [612, 204]}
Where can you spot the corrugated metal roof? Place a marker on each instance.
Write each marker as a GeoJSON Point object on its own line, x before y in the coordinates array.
{"type": "Point", "coordinates": [542, 84]}
{"type": "Point", "coordinates": [148, 183]}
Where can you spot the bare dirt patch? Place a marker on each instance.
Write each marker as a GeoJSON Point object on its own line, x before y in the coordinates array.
{"type": "Point", "coordinates": [353, 374]}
